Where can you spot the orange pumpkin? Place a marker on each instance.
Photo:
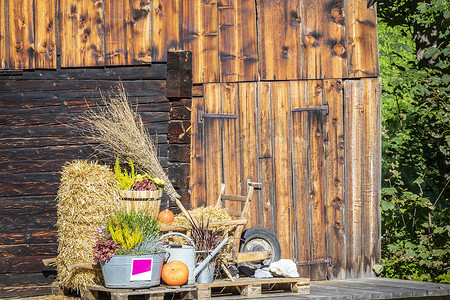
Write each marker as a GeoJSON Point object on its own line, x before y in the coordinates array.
{"type": "Point", "coordinates": [166, 216]}
{"type": "Point", "coordinates": [175, 273]}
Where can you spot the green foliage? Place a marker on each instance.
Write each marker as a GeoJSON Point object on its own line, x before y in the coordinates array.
{"type": "Point", "coordinates": [136, 232]}
{"type": "Point", "coordinates": [416, 141]}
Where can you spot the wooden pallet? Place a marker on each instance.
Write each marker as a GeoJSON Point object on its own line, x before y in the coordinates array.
{"type": "Point", "coordinates": [154, 293]}
{"type": "Point", "coordinates": [247, 287]}
{"type": "Point", "coordinates": [253, 287]}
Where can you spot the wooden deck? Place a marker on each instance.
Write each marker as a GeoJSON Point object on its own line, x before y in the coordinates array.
{"type": "Point", "coordinates": [363, 288]}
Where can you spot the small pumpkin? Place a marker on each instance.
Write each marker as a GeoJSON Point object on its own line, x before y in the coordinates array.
{"type": "Point", "coordinates": [166, 216]}
{"type": "Point", "coordinates": [175, 273]}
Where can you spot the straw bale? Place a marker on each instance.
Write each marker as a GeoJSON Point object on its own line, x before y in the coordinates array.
{"type": "Point", "coordinates": [87, 195]}
{"type": "Point", "coordinates": [207, 214]}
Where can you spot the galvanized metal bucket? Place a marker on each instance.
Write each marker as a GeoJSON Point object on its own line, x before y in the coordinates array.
{"type": "Point", "coordinates": [133, 271]}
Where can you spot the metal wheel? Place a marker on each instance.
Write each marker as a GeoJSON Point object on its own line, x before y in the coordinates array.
{"type": "Point", "coordinates": [258, 239]}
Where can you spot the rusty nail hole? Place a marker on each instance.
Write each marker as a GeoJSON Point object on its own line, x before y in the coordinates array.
{"type": "Point", "coordinates": [334, 121]}
{"type": "Point", "coordinates": [336, 182]}
{"type": "Point", "coordinates": [340, 202]}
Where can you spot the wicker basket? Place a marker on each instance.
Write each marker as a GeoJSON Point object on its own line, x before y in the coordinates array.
{"type": "Point", "coordinates": [138, 200]}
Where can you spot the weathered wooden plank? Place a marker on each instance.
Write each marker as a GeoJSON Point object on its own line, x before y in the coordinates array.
{"type": "Point", "coordinates": [282, 166]}
{"type": "Point", "coordinates": [27, 279]}
{"type": "Point", "coordinates": [143, 72]}
{"type": "Point", "coordinates": [249, 146]}
{"type": "Point", "coordinates": [23, 264]}
{"type": "Point", "coordinates": [279, 39]}
{"type": "Point", "coordinates": [362, 49]}
{"type": "Point", "coordinates": [35, 165]}
{"type": "Point", "coordinates": [212, 143]}
{"type": "Point", "coordinates": [166, 27]}
{"type": "Point", "coordinates": [43, 153]}
{"type": "Point", "coordinates": [4, 35]}
{"type": "Point", "coordinates": [371, 175]}
{"type": "Point", "coordinates": [209, 46]}
{"type": "Point", "coordinates": [334, 182]}
{"type": "Point", "coordinates": [61, 130]}
{"type": "Point", "coordinates": [26, 291]}
{"type": "Point", "coordinates": [324, 39]}
{"type": "Point", "coordinates": [64, 115]}
{"type": "Point", "coordinates": [265, 156]}
{"type": "Point", "coordinates": [155, 86]}
{"type": "Point", "coordinates": [139, 32]}
{"type": "Point", "coordinates": [18, 202]}
{"type": "Point", "coordinates": [115, 33]}
{"type": "Point", "coordinates": [45, 220]}
{"type": "Point", "coordinates": [247, 41]}
{"type": "Point", "coordinates": [28, 188]}
{"type": "Point", "coordinates": [228, 35]}
{"type": "Point", "coordinates": [197, 179]}
{"type": "Point", "coordinates": [316, 180]}
{"type": "Point", "coordinates": [21, 34]}
{"type": "Point", "coordinates": [353, 115]}
{"type": "Point", "coordinates": [431, 288]}
{"type": "Point", "coordinates": [190, 35]}
{"type": "Point", "coordinates": [31, 236]}
{"type": "Point", "coordinates": [299, 156]}
{"type": "Point", "coordinates": [45, 34]}
{"type": "Point", "coordinates": [81, 33]}
{"type": "Point", "coordinates": [229, 93]}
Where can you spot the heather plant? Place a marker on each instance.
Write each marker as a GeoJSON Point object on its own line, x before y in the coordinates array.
{"type": "Point", "coordinates": [134, 232]}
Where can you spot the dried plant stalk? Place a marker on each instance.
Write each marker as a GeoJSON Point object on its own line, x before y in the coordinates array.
{"type": "Point", "coordinates": [119, 130]}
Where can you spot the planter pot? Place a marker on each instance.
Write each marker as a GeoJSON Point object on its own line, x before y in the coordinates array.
{"type": "Point", "coordinates": [142, 200]}
{"type": "Point", "coordinates": [133, 271]}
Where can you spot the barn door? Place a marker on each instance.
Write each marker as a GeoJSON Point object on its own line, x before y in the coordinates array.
{"type": "Point", "coordinates": [308, 150]}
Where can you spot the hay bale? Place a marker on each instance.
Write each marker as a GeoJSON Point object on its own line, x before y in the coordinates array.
{"type": "Point", "coordinates": [87, 195]}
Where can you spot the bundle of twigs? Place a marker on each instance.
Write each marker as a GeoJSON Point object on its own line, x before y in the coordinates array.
{"type": "Point", "coordinates": [119, 130]}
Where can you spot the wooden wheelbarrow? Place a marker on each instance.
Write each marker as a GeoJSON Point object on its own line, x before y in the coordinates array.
{"type": "Point", "coordinates": [250, 249]}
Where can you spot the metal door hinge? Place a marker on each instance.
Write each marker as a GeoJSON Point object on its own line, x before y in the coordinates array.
{"type": "Point", "coordinates": [202, 115]}
{"type": "Point", "coordinates": [323, 108]}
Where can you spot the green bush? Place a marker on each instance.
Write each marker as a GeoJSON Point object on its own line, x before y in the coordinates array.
{"type": "Point", "coordinates": [416, 139]}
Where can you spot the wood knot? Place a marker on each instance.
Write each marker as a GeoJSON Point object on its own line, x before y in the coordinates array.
{"type": "Point", "coordinates": [337, 16]}
{"type": "Point", "coordinates": [337, 225]}
{"type": "Point", "coordinates": [318, 89]}
{"type": "Point", "coordinates": [318, 133]}
{"type": "Point", "coordinates": [99, 53]}
{"type": "Point", "coordinates": [284, 51]}
{"type": "Point", "coordinates": [157, 11]}
{"type": "Point", "coordinates": [310, 41]}
{"type": "Point", "coordinates": [18, 45]}
{"type": "Point", "coordinates": [339, 49]}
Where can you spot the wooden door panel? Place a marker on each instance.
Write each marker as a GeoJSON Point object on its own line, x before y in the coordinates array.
{"type": "Point", "coordinates": [310, 164]}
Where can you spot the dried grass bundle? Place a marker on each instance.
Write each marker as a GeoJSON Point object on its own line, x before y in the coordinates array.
{"type": "Point", "coordinates": [208, 213]}
{"type": "Point", "coordinates": [119, 131]}
{"type": "Point", "coordinates": [87, 195]}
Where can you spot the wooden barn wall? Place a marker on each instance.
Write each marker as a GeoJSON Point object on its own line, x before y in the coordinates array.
{"type": "Point", "coordinates": [35, 141]}
{"type": "Point", "coordinates": [320, 172]}
{"type": "Point", "coordinates": [232, 40]}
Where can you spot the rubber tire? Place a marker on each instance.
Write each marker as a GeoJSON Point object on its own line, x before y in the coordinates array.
{"type": "Point", "coordinates": [258, 239]}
